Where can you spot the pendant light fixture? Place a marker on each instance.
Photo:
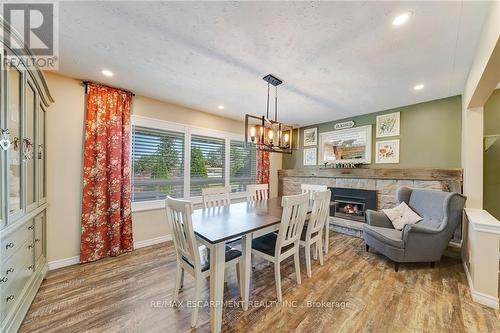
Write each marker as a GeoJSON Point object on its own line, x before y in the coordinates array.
{"type": "Point", "coordinates": [267, 134]}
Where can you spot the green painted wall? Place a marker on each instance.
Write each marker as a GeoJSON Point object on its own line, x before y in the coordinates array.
{"type": "Point", "coordinates": [430, 135]}
{"type": "Point", "coordinates": [492, 156]}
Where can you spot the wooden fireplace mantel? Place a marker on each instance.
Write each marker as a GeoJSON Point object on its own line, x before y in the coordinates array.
{"type": "Point", "coordinates": [365, 173]}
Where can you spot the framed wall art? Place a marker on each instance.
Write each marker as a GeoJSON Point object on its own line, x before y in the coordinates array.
{"type": "Point", "coordinates": [310, 156]}
{"type": "Point", "coordinates": [388, 125]}
{"type": "Point", "coordinates": [310, 137]}
{"type": "Point", "coordinates": [387, 151]}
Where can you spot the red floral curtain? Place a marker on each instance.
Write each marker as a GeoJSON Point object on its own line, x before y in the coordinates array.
{"type": "Point", "coordinates": [106, 209]}
{"type": "Point", "coordinates": [263, 167]}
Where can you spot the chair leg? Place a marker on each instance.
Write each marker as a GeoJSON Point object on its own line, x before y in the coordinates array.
{"type": "Point", "coordinates": [252, 260]}
{"type": "Point", "coordinates": [277, 278]}
{"type": "Point", "coordinates": [396, 266]}
{"type": "Point", "coordinates": [238, 277]}
{"type": "Point", "coordinates": [197, 293]}
{"type": "Point", "coordinates": [178, 278]}
{"type": "Point", "coordinates": [307, 249]}
{"type": "Point", "coordinates": [327, 236]}
{"type": "Point", "coordinates": [315, 253]}
{"type": "Point", "coordinates": [433, 264]}
{"type": "Point", "coordinates": [182, 278]}
{"type": "Point", "coordinates": [320, 252]}
{"type": "Point", "coordinates": [297, 265]}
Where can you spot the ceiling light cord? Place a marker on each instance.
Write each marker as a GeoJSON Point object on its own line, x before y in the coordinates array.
{"type": "Point", "coordinates": [267, 105]}
{"type": "Point", "coordinates": [276, 103]}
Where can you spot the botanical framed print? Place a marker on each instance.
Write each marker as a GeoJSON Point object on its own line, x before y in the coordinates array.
{"type": "Point", "coordinates": [388, 125]}
{"type": "Point", "coordinates": [310, 137]}
{"type": "Point", "coordinates": [310, 156]}
{"type": "Point", "coordinates": [387, 151]}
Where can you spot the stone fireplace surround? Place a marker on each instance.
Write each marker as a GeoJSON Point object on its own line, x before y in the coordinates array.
{"type": "Point", "coordinates": [384, 181]}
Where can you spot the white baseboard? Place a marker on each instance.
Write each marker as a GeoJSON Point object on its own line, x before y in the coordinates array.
{"type": "Point", "coordinates": [484, 299]}
{"type": "Point", "coordinates": [63, 262]}
{"type": "Point", "coordinates": [137, 245]}
{"type": "Point", "coordinates": [478, 296]}
{"type": "Point", "coordinates": [152, 241]}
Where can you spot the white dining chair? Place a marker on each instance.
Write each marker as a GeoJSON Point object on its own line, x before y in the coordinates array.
{"type": "Point", "coordinates": [311, 189]}
{"type": "Point", "coordinates": [256, 192]}
{"type": "Point", "coordinates": [190, 256]}
{"type": "Point", "coordinates": [216, 196]}
{"type": "Point", "coordinates": [277, 247]}
{"type": "Point", "coordinates": [312, 233]}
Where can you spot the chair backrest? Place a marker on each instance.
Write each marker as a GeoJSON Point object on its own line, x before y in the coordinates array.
{"type": "Point", "coordinates": [319, 213]}
{"type": "Point", "coordinates": [257, 192]}
{"type": "Point", "coordinates": [179, 218]}
{"type": "Point", "coordinates": [434, 206]}
{"type": "Point", "coordinates": [216, 196]}
{"type": "Point", "coordinates": [292, 219]}
{"type": "Point", "coordinates": [311, 189]}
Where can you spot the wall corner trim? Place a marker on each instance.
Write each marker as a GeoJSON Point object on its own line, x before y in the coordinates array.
{"type": "Point", "coordinates": [55, 264]}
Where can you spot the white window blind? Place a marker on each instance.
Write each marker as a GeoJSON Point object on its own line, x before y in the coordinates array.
{"type": "Point", "coordinates": [158, 164]}
{"type": "Point", "coordinates": [243, 166]}
{"type": "Point", "coordinates": [207, 163]}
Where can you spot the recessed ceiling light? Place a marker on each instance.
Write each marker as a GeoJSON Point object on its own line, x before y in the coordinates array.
{"type": "Point", "coordinates": [401, 19]}
{"type": "Point", "coordinates": [419, 86]}
{"type": "Point", "coordinates": [107, 72]}
{"type": "Point", "coordinates": [220, 107]}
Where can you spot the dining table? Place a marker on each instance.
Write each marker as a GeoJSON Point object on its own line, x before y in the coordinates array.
{"type": "Point", "coordinates": [215, 226]}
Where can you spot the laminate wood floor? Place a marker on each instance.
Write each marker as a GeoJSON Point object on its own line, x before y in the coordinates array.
{"type": "Point", "coordinates": [354, 291]}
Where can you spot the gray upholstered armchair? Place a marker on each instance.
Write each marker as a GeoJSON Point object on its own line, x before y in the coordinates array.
{"type": "Point", "coordinates": [425, 241]}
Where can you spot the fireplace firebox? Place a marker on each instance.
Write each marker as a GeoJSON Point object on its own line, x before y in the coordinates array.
{"type": "Point", "coordinates": [352, 203]}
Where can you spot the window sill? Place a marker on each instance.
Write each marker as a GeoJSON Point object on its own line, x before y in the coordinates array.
{"type": "Point", "coordinates": [143, 206]}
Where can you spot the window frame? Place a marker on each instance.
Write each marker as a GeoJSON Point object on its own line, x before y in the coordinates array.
{"type": "Point", "coordinates": [188, 130]}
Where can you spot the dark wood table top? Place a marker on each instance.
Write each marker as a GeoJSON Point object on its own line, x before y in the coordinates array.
{"type": "Point", "coordinates": [219, 224]}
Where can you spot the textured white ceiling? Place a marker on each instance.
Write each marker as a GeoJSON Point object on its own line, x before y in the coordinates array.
{"type": "Point", "coordinates": [337, 59]}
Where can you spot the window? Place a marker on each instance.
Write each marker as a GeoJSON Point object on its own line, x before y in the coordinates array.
{"type": "Point", "coordinates": [207, 163]}
{"type": "Point", "coordinates": [242, 166]}
{"type": "Point", "coordinates": [179, 160]}
{"type": "Point", "coordinates": [158, 164]}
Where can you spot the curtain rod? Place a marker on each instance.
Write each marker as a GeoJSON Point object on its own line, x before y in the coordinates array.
{"type": "Point", "coordinates": [86, 82]}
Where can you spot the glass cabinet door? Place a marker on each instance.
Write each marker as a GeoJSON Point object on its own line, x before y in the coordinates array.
{"type": "Point", "coordinates": [29, 146]}
{"type": "Point", "coordinates": [14, 157]}
{"type": "Point", "coordinates": [42, 161]}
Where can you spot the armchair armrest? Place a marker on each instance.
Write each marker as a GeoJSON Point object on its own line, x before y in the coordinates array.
{"type": "Point", "coordinates": [417, 229]}
{"type": "Point", "coordinates": [378, 219]}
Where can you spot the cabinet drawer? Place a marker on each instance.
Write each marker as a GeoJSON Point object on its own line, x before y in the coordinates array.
{"type": "Point", "coordinates": [16, 264]}
{"type": "Point", "coordinates": [10, 296]}
{"type": "Point", "coordinates": [39, 232]}
{"type": "Point", "coordinates": [38, 248]}
{"type": "Point", "coordinates": [13, 242]}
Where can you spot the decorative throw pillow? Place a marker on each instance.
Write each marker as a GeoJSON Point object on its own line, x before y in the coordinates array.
{"type": "Point", "coordinates": [401, 215]}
